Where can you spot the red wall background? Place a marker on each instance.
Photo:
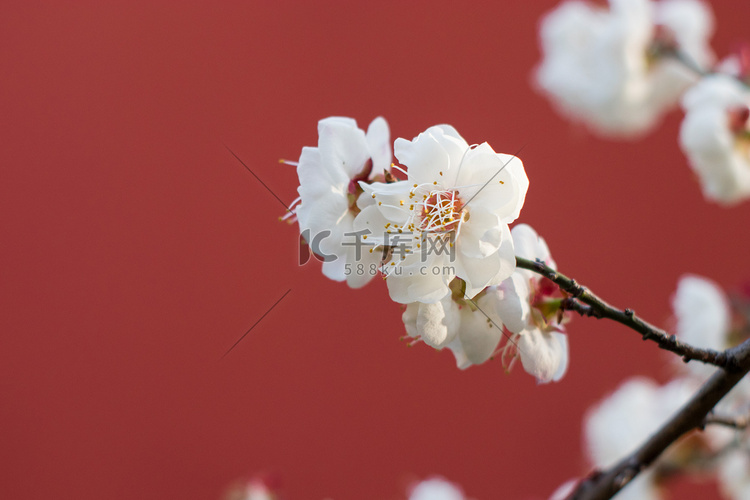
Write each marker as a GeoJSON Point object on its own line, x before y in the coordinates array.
{"type": "Point", "coordinates": [136, 250]}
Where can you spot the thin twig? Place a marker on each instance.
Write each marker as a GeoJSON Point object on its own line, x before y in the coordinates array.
{"type": "Point", "coordinates": [739, 422]}
{"type": "Point", "coordinates": [598, 308]}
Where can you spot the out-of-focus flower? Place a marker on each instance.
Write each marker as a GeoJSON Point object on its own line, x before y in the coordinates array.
{"type": "Point", "coordinates": [449, 219]}
{"type": "Point", "coordinates": [612, 68]}
{"type": "Point", "coordinates": [715, 136]}
{"type": "Point", "coordinates": [734, 474]}
{"type": "Point", "coordinates": [330, 176]}
{"type": "Point", "coordinates": [625, 419]}
{"type": "Point", "coordinates": [529, 306]}
{"type": "Point", "coordinates": [259, 487]}
{"type": "Point", "coordinates": [436, 488]}
{"type": "Point", "coordinates": [702, 312]}
{"type": "Point", "coordinates": [703, 318]}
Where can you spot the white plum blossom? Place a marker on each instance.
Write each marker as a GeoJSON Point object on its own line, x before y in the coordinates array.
{"type": "Point", "coordinates": [527, 305]}
{"type": "Point", "coordinates": [624, 420]}
{"type": "Point", "coordinates": [329, 177]}
{"type": "Point", "coordinates": [715, 136]}
{"type": "Point", "coordinates": [436, 488]}
{"type": "Point", "coordinates": [610, 68]}
{"type": "Point", "coordinates": [448, 219]}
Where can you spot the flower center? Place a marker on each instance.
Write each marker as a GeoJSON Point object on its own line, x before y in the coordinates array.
{"type": "Point", "coordinates": [441, 212]}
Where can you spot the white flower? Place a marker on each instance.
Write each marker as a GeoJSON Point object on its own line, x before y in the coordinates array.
{"type": "Point", "coordinates": [329, 188]}
{"type": "Point", "coordinates": [716, 138]}
{"type": "Point", "coordinates": [436, 488]}
{"type": "Point", "coordinates": [627, 417]}
{"type": "Point", "coordinates": [623, 421]}
{"type": "Point", "coordinates": [455, 195]}
{"type": "Point", "coordinates": [602, 66]}
{"type": "Point", "coordinates": [527, 305]}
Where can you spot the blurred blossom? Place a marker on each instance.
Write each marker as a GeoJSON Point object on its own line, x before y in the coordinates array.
{"type": "Point", "coordinates": [436, 488]}
{"type": "Point", "coordinates": [624, 420]}
{"type": "Point", "coordinates": [715, 136]}
{"type": "Point", "coordinates": [703, 317]}
{"type": "Point", "coordinates": [613, 68]}
{"type": "Point", "coordinates": [734, 474]}
{"type": "Point", "coordinates": [259, 487]}
{"type": "Point", "coordinates": [329, 177]}
{"type": "Point", "coordinates": [454, 195]}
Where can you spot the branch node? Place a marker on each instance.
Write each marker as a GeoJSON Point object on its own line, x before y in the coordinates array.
{"type": "Point", "coordinates": [629, 313]}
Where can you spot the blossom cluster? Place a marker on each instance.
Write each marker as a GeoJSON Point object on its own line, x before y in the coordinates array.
{"type": "Point", "coordinates": [620, 67]}
{"type": "Point", "coordinates": [435, 226]}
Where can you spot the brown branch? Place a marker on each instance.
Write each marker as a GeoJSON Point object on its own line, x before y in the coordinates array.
{"type": "Point", "coordinates": [693, 415]}
{"type": "Point", "coordinates": [586, 303]}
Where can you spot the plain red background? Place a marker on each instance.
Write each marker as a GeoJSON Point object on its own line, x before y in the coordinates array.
{"type": "Point", "coordinates": [136, 250]}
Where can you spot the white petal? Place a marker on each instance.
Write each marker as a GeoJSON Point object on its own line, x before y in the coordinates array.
{"type": "Point", "coordinates": [416, 288]}
{"type": "Point", "coordinates": [529, 245]}
{"type": "Point", "coordinates": [342, 145]}
{"type": "Point", "coordinates": [334, 269]}
{"type": "Point", "coordinates": [491, 270]}
{"type": "Point", "coordinates": [542, 354]}
{"type": "Point", "coordinates": [562, 367]}
{"type": "Point", "coordinates": [362, 270]}
{"type": "Point", "coordinates": [496, 182]}
{"type": "Point", "coordinates": [512, 302]}
{"type": "Point", "coordinates": [462, 361]}
{"type": "Point", "coordinates": [379, 143]}
{"type": "Point", "coordinates": [480, 332]}
{"type": "Point", "coordinates": [481, 235]}
{"type": "Point", "coordinates": [409, 317]}
{"type": "Point", "coordinates": [437, 323]}
{"type": "Point", "coordinates": [424, 157]}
